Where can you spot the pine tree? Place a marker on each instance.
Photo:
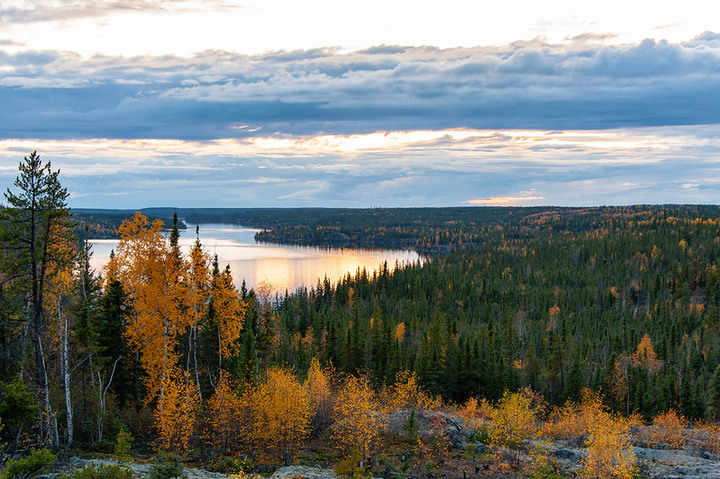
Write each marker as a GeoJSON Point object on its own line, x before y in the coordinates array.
{"type": "Point", "coordinates": [35, 229]}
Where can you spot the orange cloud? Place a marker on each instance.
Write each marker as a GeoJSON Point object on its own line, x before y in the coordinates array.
{"type": "Point", "coordinates": [503, 200]}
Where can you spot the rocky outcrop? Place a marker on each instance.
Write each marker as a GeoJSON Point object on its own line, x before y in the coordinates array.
{"type": "Point", "coordinates": [304, 472]}
{"type": "Point", "coordinates": [142, 471]}
{"type": "Point", "coordinates": [431, 423]}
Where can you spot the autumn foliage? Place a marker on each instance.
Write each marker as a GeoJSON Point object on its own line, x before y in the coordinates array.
{"type": "Point", "coordinates": [176, 417]}
{"type": "Point", "coordinates": [610, 453]}
{"type": "Point", "coordinates": [572, 421]}
{"type": "Point", "coordinates": [280, 412]}
{"type": "Point", "coordinates": [669, 428]}
{"type": "Point", "coordinates": [514, 421]}
{"type": "Point", "coordinates": [224, 416]}
{"type": "Point", "coordinates": [319, 385]}
{"type": "Point", "coordinates": [357, 417]}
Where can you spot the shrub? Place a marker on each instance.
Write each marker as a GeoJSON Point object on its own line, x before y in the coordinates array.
{"type": "Point", "coordinates": [610, 453]}
{"type": "Point", "coordinates": [224, 414]}
{"type": "Point", "coordinates": [474, 413]}
{"type": "Point", "coordinates": [167, 466]}
{"type": "Point", "coordinates": [122, 445]}
{"type": "Point", "coordinates": [320, 395]}
{"type": "Point", "coordinates": [350, 466]}
{"type": "Point", "coordinates": [514, 421]}
{"type": "Point", "coordinates": [37, 461]}
{"type": "Point", "coordinates": [669, 428]}
{"type": "Point", "coordinates": [708, 436]}
{"type": "Point", "coordinates": [572, 420]}
{"type": "Point", "coordinates": [406, 393]}
{"type": "Point", "coordinates": [100, 472]}
{"type": "Point", "coordinates": [281, 412]}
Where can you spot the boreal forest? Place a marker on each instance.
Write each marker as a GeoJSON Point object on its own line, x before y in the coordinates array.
{"type": "Point", "coordinates": [521, 323]}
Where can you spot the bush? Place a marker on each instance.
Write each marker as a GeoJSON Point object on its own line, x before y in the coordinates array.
{"type": "Point", "coordinates": [17, 407]}
{"type": "Point", "coordinates": [230, 465]}
{"type": "Point", "coordinates": [100, 472]}
{"type": "Point", "coordinates": [350, 466]}
{"type": "Point", "coordinates": [122, 445]}
{"type": "Point", "coordinates": [610, 452]}
{"type": "Point", "coordinates": [514, 421]}
{"type": "Point", "coordinates": [37, 461]}
{"type": "Point", "coordinates": [669, 428]}
{"type": "Point", "coordinates": [167, 466]}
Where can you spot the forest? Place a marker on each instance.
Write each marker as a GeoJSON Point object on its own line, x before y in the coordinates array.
{"type": "Point", "coordinates": [545, 311]}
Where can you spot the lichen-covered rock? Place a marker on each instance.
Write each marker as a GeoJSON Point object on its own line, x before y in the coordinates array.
{"type": "Point", "coordinates": [142, 471]}
{"type": "Point", "coordinates": [430, 423]}
{"type": "Point", "coordinates": [304, 472]}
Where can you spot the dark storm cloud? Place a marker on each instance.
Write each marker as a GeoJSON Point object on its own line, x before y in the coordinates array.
{"type": "Point", "coordinates": [218, 94]}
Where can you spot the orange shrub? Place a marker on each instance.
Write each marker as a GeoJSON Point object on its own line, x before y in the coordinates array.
{"type": "Point", "coordinates": [610, 453]}
{"type": "Point", "coordinates": [707, 436]}
{"type": "Point", "coordinates": [514, 422]}
{"type": "Point", "coordinates": [669, 428]}
{"type": "Point", "coordinates": [474, 413]}
{"type": "Point", "coordinates": [572, 421]}
{"type": "Point", "coordinates": [406, 393]}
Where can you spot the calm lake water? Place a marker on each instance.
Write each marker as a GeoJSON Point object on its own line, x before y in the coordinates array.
{"type": "Point", "coordinates": [283, 267]}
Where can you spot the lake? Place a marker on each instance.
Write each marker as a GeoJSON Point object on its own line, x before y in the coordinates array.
{"type": "Point", "coordinates": [283, 267]}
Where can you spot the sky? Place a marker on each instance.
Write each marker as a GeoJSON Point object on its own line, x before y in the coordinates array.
{"type": "Point", "coordinates": [341, 103]}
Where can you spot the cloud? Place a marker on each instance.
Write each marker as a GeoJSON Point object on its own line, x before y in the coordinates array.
{"type": "Point", "coordinates": [526, 85]}
{"type": "Point", "coordinates": [424, 168]}
{"type": "Point", "coordinates": [29, 11]}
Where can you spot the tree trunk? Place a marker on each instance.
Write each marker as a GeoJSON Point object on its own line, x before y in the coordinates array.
{"type": "Point", "coordinates": [50, 417]}
{"type": "Point", "coordinates": [102, 393]}
{"type": "Point", "coordinates": [66, 374]}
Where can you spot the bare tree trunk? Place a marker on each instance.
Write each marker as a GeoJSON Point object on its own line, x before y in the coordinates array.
{"type": "Point", "coordinates": [197, 374]}
{"type": "Point", "coordinates": [66, 374]}
{"type": "Point", "coordinates": [50, 417]}
{"type": "Point", "coordinates": [102, 393]}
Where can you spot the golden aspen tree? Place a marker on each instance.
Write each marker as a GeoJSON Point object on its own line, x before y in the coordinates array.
{"type": "Point", "coordinates": [197, 301]}
{"type": "Point", "coordinates": [406, 393]}
{"type": "Point", "coordinates": [320, 395]}
{"type": "Point", "coordinates": [514, 421]}
{"type": "Point", "coordinates": [610, 453]}
{"type": "Point", "coordinates": [646, 357]}
{"type": "Point", "coordinates": [58, 292]}
{"type": "Point", "coordinates": [177, 419]}
{"type": "Point", "coordinates": [281, 411]}
{"type": "Point", "coordinates": [229, 314]}
{"type": "Point", "coordinates": [357, 417]}
{"type": "Point", "coordinates": [224, 416]}
{"type": "Point", "coordinates": [399, 333]}
{"type": "Point", "coordinates": [149, 272]}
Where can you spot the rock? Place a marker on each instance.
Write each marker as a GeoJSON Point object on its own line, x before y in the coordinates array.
{"type": "Point", "coordinates": [304, 472]}
{"type": "Point", "coordinates": [482, 448]}
{"type": "Point", "coordinates": [143, 470]}
{"type": "Point", "coordinates": [430, 423]}
{"type": "Point", "coordinates": [572, 455]}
